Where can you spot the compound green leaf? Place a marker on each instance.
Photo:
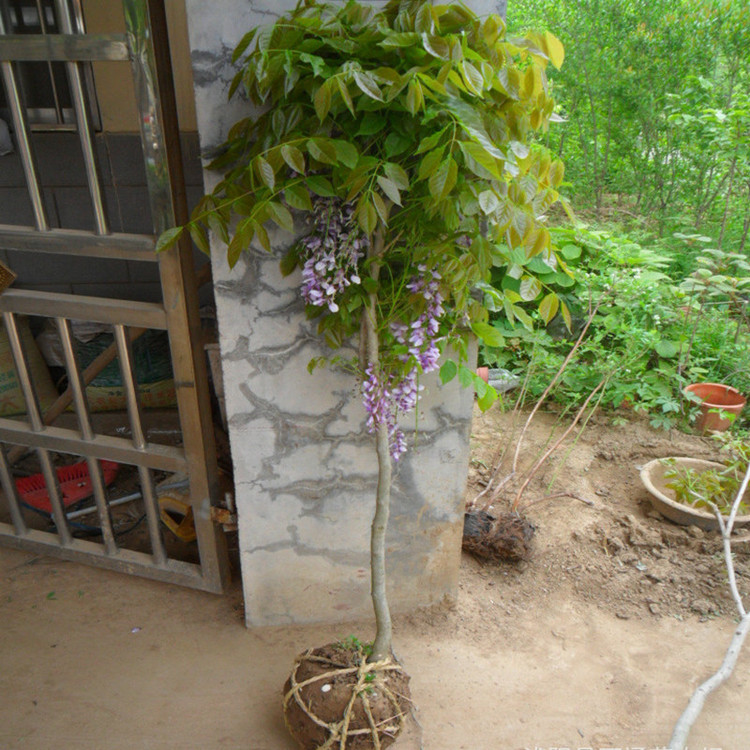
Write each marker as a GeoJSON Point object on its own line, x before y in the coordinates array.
{"type": "Point", "coordinates": [489, 334]}
{"type": "Point", "coordinates": [293, 157]}
{"type": "Point", "coordinates": [488, 202]}
{"type": "Point", "coordinates": [347, 153]}
{"type": "Point", "coordinates": [397, 174]}
{"type": "Point", "coordinates": [296, 196]}
{"type": "Point", "coordinates": [322, 150]}
{"type": "Point", "coordinates": [548, 307]}
{"type": "Point", "coordinates": [265, 172]}
{"type": "Point", "coordinates": [320, 186]}
{"type": "Point", "coordinates": [168, 238]}
{"type": "Point", "coordinates": [281, 216]}
{"type": "Point", "coordinates": [368, 85]}
{"type": "Point", "coordinates": [390, 189]}
{"type": "Point", "coordinates": [322, 101]}
{"type": "Point", "coordinates": [448, 371]}
{"type": "Point", "coordinates": [444, 179]}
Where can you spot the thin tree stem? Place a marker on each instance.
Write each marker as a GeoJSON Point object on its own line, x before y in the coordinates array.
{"type": "Point", "coordinates": [558, 375]}
{"type": "Point", "coordinates": [381, 648]}
{"type": "Point", "coordinates": [550, 451]}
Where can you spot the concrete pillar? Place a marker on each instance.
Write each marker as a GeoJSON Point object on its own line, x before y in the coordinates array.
{"type": "Point", "coordinates": [305, 467]}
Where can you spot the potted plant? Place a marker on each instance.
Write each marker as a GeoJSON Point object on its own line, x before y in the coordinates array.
{"type": "Point", "coordinates": [689, 491]}
{"type": "Point", "coordinates": [401, 137]}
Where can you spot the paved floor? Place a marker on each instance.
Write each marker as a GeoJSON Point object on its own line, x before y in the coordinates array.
{"type": "Point", "coordinates": [94, 660]}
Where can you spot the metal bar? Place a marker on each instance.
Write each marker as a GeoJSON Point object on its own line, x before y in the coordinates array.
{"type": "Point", "coordinates": [75, 380]}
{"type": "Point", "coordinates": [122, 500]}
{"type": "Point", "coordinates": [155, 456]}
{"type": "Point", "coordinates": [64, 47]}
{"type": "Point", "coordinates": [126, 561]}
{"type": "Point", "coordinates": [147, 31]}
{"type": "Point", "coordinates": [138, 247]}
{"type": "Point", "coordinates": [151, 504]}
{"type": "Point", "coordinates": [11, 496]}
{"type": "Point", "coordinates": [88, 73]}
{"type": "Point", "coordinates": [50, 69]}
{"type": "Point", "coordinates": [100, 498]}
{"type": "Point", "coordinates": [20, 124]}
{"type": "Point", "coordinates": [85, 131]}
{"type": "Point", "coordinates": [55, 496]}
{"type": "Point", "coordinates": [125, 353]}
{"type": "Point", "coordinates": [80, 307]}
{"type": "Point", "coordinates": [24, 377]}
{"type": "Point", "coordinates": [37, 425]}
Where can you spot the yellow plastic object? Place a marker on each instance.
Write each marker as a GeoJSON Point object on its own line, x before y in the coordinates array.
{"type": "Point", "coordinates": [177, 516]}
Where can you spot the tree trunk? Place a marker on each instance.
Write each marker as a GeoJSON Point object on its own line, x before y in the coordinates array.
{"type": "Point", "coordinates": [381, 648]}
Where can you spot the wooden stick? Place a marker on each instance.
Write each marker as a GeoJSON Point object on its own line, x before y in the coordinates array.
{"type": "Point", "coordinates": [202, 276]}
{"type": "Point", "coordinates": [64, 399]}
{"type": "Point", "coordinates": [560, 494]}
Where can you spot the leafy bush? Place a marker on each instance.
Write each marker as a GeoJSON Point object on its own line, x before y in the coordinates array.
{"type": "Point", "coordinates": [649, 335]}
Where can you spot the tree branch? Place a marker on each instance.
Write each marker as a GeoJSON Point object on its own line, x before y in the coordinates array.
{"type": "Point", "coordinates": [695, 704]}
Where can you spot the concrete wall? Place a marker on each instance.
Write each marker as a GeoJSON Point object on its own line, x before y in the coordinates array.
{"type": "Point", "coordinates": [304, 465]}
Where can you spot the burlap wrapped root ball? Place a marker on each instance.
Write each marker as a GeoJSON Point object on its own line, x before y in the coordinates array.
{"type": "Point", "coordinates": [336, 699]}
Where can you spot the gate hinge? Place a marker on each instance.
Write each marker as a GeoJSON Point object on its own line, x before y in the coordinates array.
{"type": "Point", "coordinates": [225, 517]}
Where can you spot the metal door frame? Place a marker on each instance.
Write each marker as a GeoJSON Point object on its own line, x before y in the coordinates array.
{"type": "Point", "coordinates": [145, 47]}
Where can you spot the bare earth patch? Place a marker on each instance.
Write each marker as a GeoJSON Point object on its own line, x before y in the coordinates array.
{"type": "Point", "coordinates": [619, 553]}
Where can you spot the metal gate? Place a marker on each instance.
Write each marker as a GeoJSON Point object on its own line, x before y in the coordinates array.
{"type": "Point", "coordinates": [145, 49]}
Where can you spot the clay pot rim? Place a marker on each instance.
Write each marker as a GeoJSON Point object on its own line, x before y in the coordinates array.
{"type": "Point", "coordinates": [675, 511]}
{"type": "Point", "coordinates": [728, 389]}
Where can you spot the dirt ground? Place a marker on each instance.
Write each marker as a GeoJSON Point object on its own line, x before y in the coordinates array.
{"type": "Point", "coordinates": [596, 641]}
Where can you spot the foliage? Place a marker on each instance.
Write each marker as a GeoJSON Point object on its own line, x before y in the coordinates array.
{"type": "Point", "coordinates": [654, 97]}
{"type": "Point", "coordinates": [649, 336]}
{"type": "Point", "coordinates": [405, 134]}
{"type": "Point", "coordinates": [420, 118]}
{"type": "Point", "coordinates": [352, 643]}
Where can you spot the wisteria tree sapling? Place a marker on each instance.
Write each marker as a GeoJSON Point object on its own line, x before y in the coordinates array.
{"type": "Point", "coordinates": [403, 134]}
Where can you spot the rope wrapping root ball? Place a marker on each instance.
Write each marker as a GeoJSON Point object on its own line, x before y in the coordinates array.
{"type": "Point", "coordinates": [335, 699]}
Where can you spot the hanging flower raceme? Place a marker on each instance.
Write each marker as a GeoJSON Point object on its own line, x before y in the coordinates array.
{"type": "Point", "coordinates": [331, 253]}
{"type": "Point", "coordinates": [380, 402]}
{"type": "Point", "coordinates": [387, 396]}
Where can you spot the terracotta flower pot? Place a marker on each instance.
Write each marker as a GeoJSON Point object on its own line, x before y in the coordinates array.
{"type": "Point", "coordinates": [716, 396]}
{"type": "Point", "coordinates": [484, 373]}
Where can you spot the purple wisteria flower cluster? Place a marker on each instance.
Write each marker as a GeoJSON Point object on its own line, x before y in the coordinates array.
{"type": "Point", "coordinates": [386, 396]}
{"type": "Point", "coordinates": [331, 253]}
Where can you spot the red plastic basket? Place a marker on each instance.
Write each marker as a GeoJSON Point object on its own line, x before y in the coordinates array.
{"type": "Point", "coordinates": [74, 481]}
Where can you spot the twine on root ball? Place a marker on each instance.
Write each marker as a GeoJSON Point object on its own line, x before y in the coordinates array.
{"type": "Point", "coordinates": [364, 678]}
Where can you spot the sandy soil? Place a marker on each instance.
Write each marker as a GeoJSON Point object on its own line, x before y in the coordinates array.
{"type": "Point", "coordinates": [595, 642]}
